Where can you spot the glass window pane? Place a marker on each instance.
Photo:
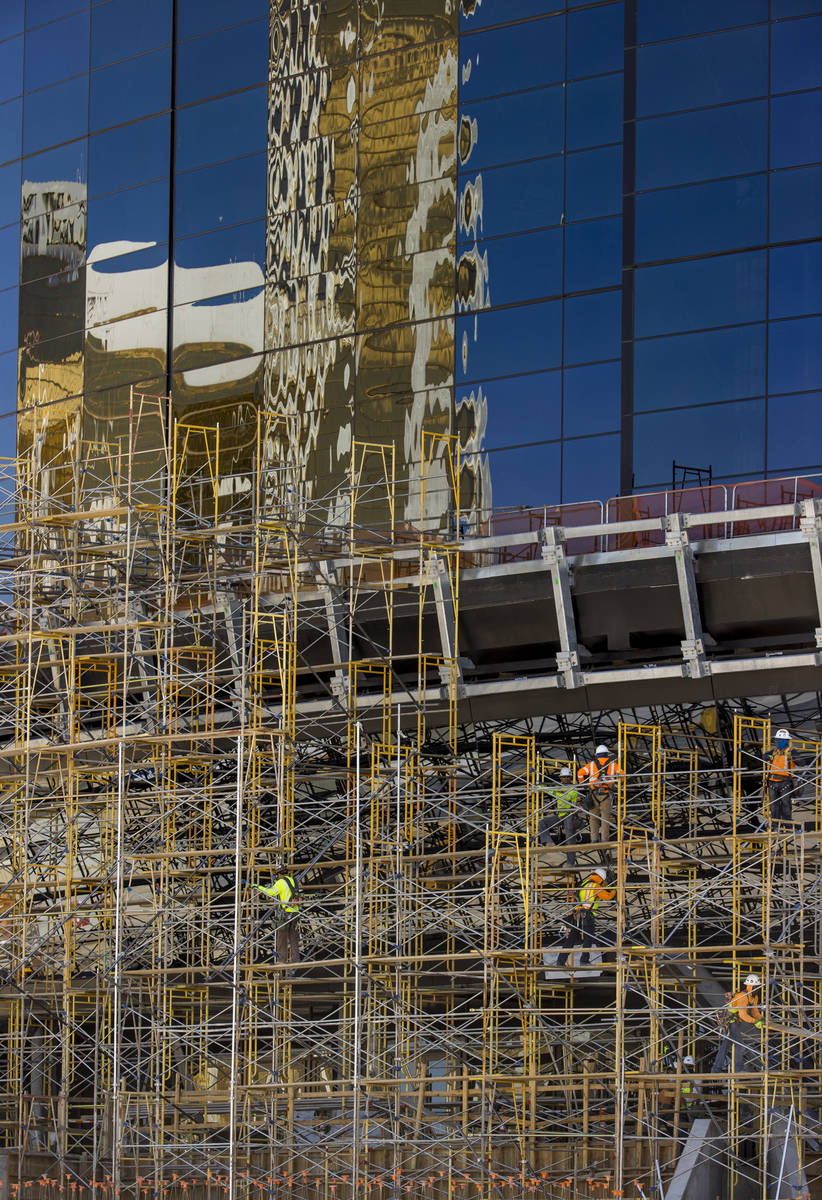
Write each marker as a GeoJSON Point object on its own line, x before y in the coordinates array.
{"type": "Point", "coordinates": [592, 399]}
{"type": "Point", "coordinates": [11, 17]}
{"type": "Point", "coordinates": [594, 112]}
{"type": "Point", "coordinates": [786, 451]}
{"type": "Point", "coordinates": [796, 204]}
{"type": "Point", "coordinates": [9, 256]}
{"type": "Point", "coordinates": [509, 128]}
{"type": "Point", "coordinates": [700, 71]}
{"type": "Point", "coordinates": [131, 89]}
{"type": "Point", "coordinates": [794, 8]}
{"type": "Point", "coordinates": [9, 194]}
{"type": "Point", "coordinates": [796, 129]}
{"type": "Point", "coordinates": [524, 267]}
{"type": "Point", "coordinates": [590, 468]}
{"type": "Point", "coordinates": [593, 183]}
{"type": "Point", "coordinates": [224, 194]}
{"type": "Point", "coordinates": [511, 199]}
{"type": "Point", "coordinates": [57, 50]}
{"type": "Point", "coordinates": [135, 215]}
{"type": "Point", "coordinates": [222, 62]}
{"type": "Point", "coordinates": [593, 327]}
{"type": "Point", "coordinates": [220, 129]}
{"type": "Point", "coordinates": [796, 280]}
{"type": "Point", "coordinates": [123, 157]}
{"type": "Point", "coordinates": [519, 405]}
{"type": "Point", "coordinates": [121, 28]}
{"type": "Point", "coordinates": [8, 382]}
{"type": "Point", "coordinates": [508, 341]}
{"type": "Point", "coordinates": [230, 260]}
{"type": "Point", "coordinates": [527, 475]}
{"type": "Point", "coordinates": [727, 290]}
{"type": "Point", "coordinates": [56, 114]}
{"type": "Point", "coordinates": [11, 129]}
{"type": "Point", "coordinates": [702, 145]}
{"type": "Point", "coordinates": [201, 16]}
{"type": "Point", "coordinates": [796, 55]}
{"type": "Point", "coordinates": [700, 219]}
{"type": "Point", "coordinates": [795, 355]}
{"type": "Point", "coordinates": [497, 12]}
{"type": "Point", "coordinates": [38, 11]}
{"type": "Point", "coordinates": [511, 57]}
{"type": "Point", "coordinates": [699, 368]}
{"type": "Point", "coordinates": [11, 68]}
{"type": "Point", "coordinates": [593, 254]}
{"type": "Point", "coordinates": [658, 19]}
{"type": "Point", "coordinates": [596, 40]}
{"type": "Point", "coordinates": [701, 437]}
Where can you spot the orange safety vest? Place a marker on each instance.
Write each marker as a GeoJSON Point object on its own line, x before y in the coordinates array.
{"type": "Point", "coordinates": [780, 765]}
{"type": "Point", "coordinates": [745, 1003]}
{"type": "Point", "coordinates": [599, 773]}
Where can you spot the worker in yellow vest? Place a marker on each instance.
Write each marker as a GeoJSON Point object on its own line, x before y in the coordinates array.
{"type": "Point", "coordinates": [286, 892]}
{"type": "Point", "coordinates": [779, 777]}
{"type": "Point", "coordinates": [582, 924]}
{"type": "Point", "coordinates": [598, 778]}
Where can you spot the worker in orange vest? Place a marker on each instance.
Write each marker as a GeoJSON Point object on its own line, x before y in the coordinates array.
{"type": "Point", "coordinates": [744, 1017]}
{"type": "Point", "coordinates": [582, 924]}
{"type": "Point", "coordinates": [779, 777]}
{"type": "Point", "coordinates": [599, 776]}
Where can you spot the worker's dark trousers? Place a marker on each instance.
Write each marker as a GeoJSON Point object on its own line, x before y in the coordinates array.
{"type": "Point", "coordinates": [288, 941]}
{"type": "Point", "coordinates": [745, 1039]}
{"type": "Point", "coordinates": [581, 931]}
{"type": "Point", "coordinates": [562, 833]}
{"type": "Point", "coordinates": [779, 794]}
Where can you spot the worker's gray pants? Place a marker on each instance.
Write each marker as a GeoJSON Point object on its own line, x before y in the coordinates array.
{"type": "Point", "coordinates": [779, 795]}
{"type": "Point", "coordinates": [288, 941]}
{"type": "Point", "coordinates": [745, 1047]}
{"type": "Point", "coordinates": [562, 832]}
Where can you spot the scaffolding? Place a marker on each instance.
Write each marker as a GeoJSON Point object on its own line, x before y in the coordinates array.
{"type": "Point", "coordinates": [165, 618]}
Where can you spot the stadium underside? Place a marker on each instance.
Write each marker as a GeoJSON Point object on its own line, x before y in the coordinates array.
{"type": "Point", "coordinates": [207, 682]}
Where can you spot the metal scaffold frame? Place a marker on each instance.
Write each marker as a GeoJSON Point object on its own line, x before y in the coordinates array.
{"type": "Point", "coordinates": [169, 617]}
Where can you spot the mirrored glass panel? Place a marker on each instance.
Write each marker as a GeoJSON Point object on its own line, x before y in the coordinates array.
{"type": "Point", "coordinates": [794, 8]}
{"type": "Point", "coordinates": [509, 341]}
{"type": "Point", "coordinates": [796, 280]}
{"type": "Point", "coordinates": [700, 368]}
{"type": "Point", "coordinates": [787, 452]}
{"type": "Point", "coordinates": [134, 154]}
{"type": "Point", "coordinates": [510, 199]}
{"type": "Point", "coordinates": [593, 254]}
{"type": "Point", "coordinates": [511, 57]}
{"type": "Point", "coordinates": [11, 68]}
{"type": "Point", "coordinates": [509, 128]}
{"type": "Point", "coordinates": [726, 290]}
{"type": "Point", "coordinates": [55, 114]}
{"type": "Point", "coordinates": [593, 327]}
{"type": "Point", "coordinates": [44, 173]}
{"type": "Point", "coordinates": [796, 129]}
{"type": "Point", "coordinates": [700, 71]}
{"type": "Point", "coordinates": [497, 12]}
{"type": "Point", "coordinates": [129, 90]}
{"type": "Point", "coordinates": [796, 204]}
{"type": "Point", "coordinates": [38, 11]}
{"type": "Point", "coordinates": [11, 129]}
{"type": "Point", "coordinates": [119, 220]}
{"type": "Point", "coordinates": [660, 19]}
{"type": "Point", "coordinates": [795, 355]}
{"type": "Point", "coordinates": [594, 112]}
{"type": "Point", "coordinates": [11, 17]}
{"type": "Point", "coordinates": [796, 55]}
{"type": "Point", "coordinates": [707, 437]}
{"type": "Point", "coordinates": [121, 28]}
{"type": "Point", "coordinates": [9, 257]}
{"type": "Point", "coordinates": [9, 302]}
{"type": "Point", "coordinates": [590, 468]}
{"type": "Point", "coordinates": [527, 266]}
{"type": "Point", "coordinates": [10, 194]}
{"type": "Point", "coordinates": [593, 183]}
{"type": "Point", "coordinates": [716, 142]}
{"type": "Point", "coordinates": [221, 195]}
{"type": "Point", "coordinates": [217, 264]}
{"type": "Point", "coordinates": [201, 16]}
{"type": "Point", "coordinates": [595, 40]}
{"type": "Point", "coordinates": [520, 408]}
{"type": "Point", "coordinates": [592, 399]}
{"type": "Point", "coordinates": [221, 129]}
{"type": "Point", "coordinates": [700, 219]}
{"type": "Point", "coordinates": [526, 476]}
{"type": "Point", "coordinates": [57, 50]}
{"type": "Point", "coordinates": [222, 62]}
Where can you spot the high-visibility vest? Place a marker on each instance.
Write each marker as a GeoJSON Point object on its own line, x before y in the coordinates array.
{"type": "Point", "coordinates": [567, 798]}
{"type": "Point", "coordinates": [590, 894]}
{"type": "Point", "coordinates": [745, 1002]}
{"type": "Point", "coordinates": [283, 890]}
{"type": "Point", "coordinates": [780, 764]}
{"type": "Point", "coordinates": [600, 773]}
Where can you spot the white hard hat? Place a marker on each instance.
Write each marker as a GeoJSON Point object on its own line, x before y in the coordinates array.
{"type": "Point", "coordinates": [601, 872]}
{"type": "Point", "coordinates": [565, 771]}
{"type": "Point", "coordinates": [782, 735]}
{"type": "Point", "coordinates": [752, 981]}
{"type": "Point", "coordinates": [602, 750]}
{"type": "Point", "coordinates": [689, 1061]}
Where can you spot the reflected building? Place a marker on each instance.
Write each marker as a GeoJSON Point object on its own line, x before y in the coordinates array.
{"type": "Point", "coordinates": [583, 237]}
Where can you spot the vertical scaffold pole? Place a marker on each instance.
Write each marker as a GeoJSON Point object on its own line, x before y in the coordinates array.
{"type": "Point", "coordinates": [355, 1078]}
{"type": "Point", "coordinates": [235, 973]}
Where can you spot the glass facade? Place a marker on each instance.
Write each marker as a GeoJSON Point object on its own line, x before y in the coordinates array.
{"type": "Point", "coordinates": [585, 237]}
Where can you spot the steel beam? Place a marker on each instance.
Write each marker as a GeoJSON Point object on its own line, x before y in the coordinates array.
{"type": "Point", "coordinates": [556, 561]}
{"type": "Point", "coordinates": [693, 646]}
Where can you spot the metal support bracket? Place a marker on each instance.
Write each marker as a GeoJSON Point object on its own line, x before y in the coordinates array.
{"type": "Point", "coordinates": [335, 616]}
{"type": "Point", "coordinates": [552, 541]}
{"type": "Point", "coordinates": [446, 620]}
{"type": "Point", "coordinates": [810, 522]}
{"type": "Point", "coordinates": [693, 645]}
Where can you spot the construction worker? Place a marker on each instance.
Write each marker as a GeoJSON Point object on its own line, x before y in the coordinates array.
{"type": "Point", "coordinates": [779, 777]}
{"type": "Point", "coordinates": [582, 923]}
{"type": "Point", "coordinates": [689, 1089]}
{"type": "Point", "coordinates": [599, 776]}
{"type": "Point", "coordinates": [286, 892]}
{"type": "Point", "coordinates": [744, 1017]}
{"type": "Point", "coordinates": [560, 825]}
